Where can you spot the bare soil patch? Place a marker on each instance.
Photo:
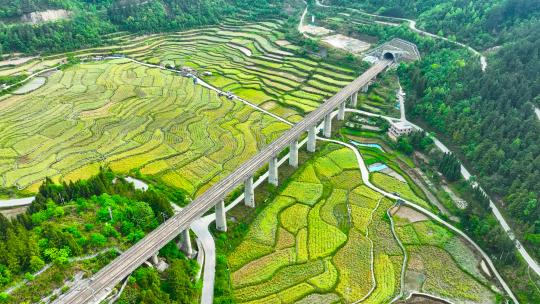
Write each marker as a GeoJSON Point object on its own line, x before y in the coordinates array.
{"type": "Point", "coordinates": [412, 215]}
{"type": "Point", "coordinates": [45, 16]}
{"type": "Point", "coordinates": [348, 44]}
{"type": "Point", "coordinates": [316, 30]}
{"type": "Point", "coordinates": [282, 42]}
{"type": "Point", "coordinates": [32, 85]}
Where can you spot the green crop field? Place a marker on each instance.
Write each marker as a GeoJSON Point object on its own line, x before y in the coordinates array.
{"type": "Point", "coordinates": [307, 245]}
{"type": "Point", "coordinates": [381, 97]}
{"type": "Point", "coordinates": [132, 117]}
{"type": "Point", "coordinates": [128, 117]}
{"type": "Point", "coordinates": [265, 74]}
{"type": "Point", "coordinates": [441, 263]}
{"type": "Point", "coordinates": [325, 237]}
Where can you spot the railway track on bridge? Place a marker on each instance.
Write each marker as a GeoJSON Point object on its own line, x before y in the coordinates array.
{"type": "Point", "coordinates": [97, 287]}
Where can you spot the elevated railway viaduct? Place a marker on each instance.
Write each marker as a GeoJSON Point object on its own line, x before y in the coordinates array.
{"type": "Point", "coordinates": [100, 285]}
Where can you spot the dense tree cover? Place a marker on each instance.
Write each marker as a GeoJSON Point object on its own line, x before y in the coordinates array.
{"type": "Point", "coordinates": [174, 286]}
{"type": "Point", "coordinates": [417, 140]}
{"type": "Point", "coordinates": [490, 117]}
{"type": "Point", "coordinates": [92, 19]}
{"type": "Point", "coordinates": [72, 219]}
{"type": "Point", "coordinates": [167, 14]}
{"type": "Point", "coordinates": [478, 222]}
{"type": "Point", "coordinates": [16, 8]}
{"type": "Point", "coordinates": [450, 167]}
{"type": "Point", "coordinates": [481, 23]}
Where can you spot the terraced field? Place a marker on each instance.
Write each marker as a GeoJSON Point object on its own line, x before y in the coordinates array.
{"type": "Point", "coordinates": [441, 263]}
{"type": "Point", "coordinates": [381, 97]}
{"type": "Point", "coordinates": [306, 244]}
{"type": "Point", "coordinates": [129, 117]}
{"type": "Point", "coordinates": [251, 60]}
{"type": "Point", "coordinates": [248, 62]}
{"type": "Point", "coordinates": [132, 117]}
{"type": "Point", "coordinates": [326, 238]}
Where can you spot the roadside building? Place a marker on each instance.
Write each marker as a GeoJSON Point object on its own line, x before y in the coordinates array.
{"type": "Point", "coordinates": [399, 128]}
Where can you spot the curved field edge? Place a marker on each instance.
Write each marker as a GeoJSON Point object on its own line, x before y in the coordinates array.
{"type": "Point", "coordinates": [275, 247]}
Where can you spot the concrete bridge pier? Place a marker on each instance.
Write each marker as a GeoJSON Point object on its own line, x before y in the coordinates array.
{"type": "Point", "coordinates": [312, 139]}
{"type": "Point", "coordinates": [327, 126]}
{"type": "Point", "coordinates": [154, 259]}
{"type": "Point", "coordinates": [249, 192]}
{"type": "Point", "coordinates": [221, 220]}
{"type": "Point", "coordinates": [273, 171]}
{"type": "Point", "coordinates": [293, 153]}
{"type": "Point", "coordinates": [365, 88]}
{"type": "Point", "coordinates": [186, 243]}
{"type": "Point", "coordinates": [354, 99]}
{"type": "Point", "coordinates": [341, 111]}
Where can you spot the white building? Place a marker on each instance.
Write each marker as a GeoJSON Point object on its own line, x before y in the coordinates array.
{"type": "Point", "coordinates": [399, 128]}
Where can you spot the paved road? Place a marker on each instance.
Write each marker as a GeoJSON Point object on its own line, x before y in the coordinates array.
{"type": "Point", "coordinates": [364, 173]}
{"type": "Point", "coordinates": [412, 26]}
{"type": "Point", "coordinates": [16, 202]}
{"type": "Point", "coordinates": [467, 175]}
{"type": "Point", "coordinates": [301, 23]}
{"type": "Point", "coordinates": [401, 98]}
{"type": "Point", "coordinates": [102, 282]}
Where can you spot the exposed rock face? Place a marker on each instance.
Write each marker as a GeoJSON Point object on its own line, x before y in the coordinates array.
{"type": "Point", "coordinates": [44, 16]}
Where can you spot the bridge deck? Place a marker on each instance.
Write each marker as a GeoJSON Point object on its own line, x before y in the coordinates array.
{"type": "Point", "coordinates": [103, 281]}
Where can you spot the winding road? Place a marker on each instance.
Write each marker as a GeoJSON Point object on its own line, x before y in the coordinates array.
{"type": "Point", "coordinates": [467, 176]}
{"type": "Point", "coordinates": [412, 26]}
{"type": "Point", "coordinates": [365, 177]}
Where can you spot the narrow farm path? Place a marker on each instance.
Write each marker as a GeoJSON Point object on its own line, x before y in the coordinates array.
{"type": "Point", "coordinates": [365, 179]}
{"type": "Point", "coordinates": [372, 253]}
{"type": "Point", "coordinates": [29, 77]}
{"type": "Point", "coordinates": [208, 86]}
{"type": "Point", "coordinates": [302, 19]}
{"type": "Point", "coordinates": [405, 256]}
{"type": "Point", "coordinates": [467, 175]}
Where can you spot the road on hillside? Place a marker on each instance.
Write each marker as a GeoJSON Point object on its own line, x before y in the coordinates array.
{"type": "Point", "coordinates": [467, 175]}
{"type": "Point", "coordinates": [102, 282]}
{"type": "Point", "coordinates": [412, 26]}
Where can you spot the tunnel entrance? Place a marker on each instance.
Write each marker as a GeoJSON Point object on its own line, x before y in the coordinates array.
{"type": "Point", "coordinates": [389, 56]}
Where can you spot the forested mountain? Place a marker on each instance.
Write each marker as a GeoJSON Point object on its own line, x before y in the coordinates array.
{"type": "Point", "coordinates": [482, 24]}
{"type": "Point", "coordinates": [489, 116]}
{"type": "Point", "coordinates": [91, 19]}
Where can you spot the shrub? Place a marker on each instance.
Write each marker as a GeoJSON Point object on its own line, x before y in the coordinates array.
{"type": "Point", "coordinates": [36, 263]}
{"type": "Point", "coordinates": [5, 275]}
{"type": "Point", "coordinates": [97, 239]}
{"type": "Point", "coordinates": [28, 276]}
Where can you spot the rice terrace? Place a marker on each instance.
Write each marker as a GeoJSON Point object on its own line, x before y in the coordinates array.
{"type": "Point", "coordinates": [224, 152]}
